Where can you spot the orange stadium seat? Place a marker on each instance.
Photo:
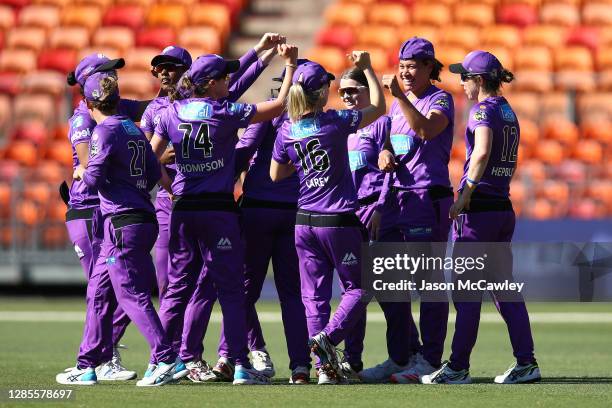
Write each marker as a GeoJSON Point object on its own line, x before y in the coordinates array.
{"type": "Point", "coordinates": [583, 36]}
{"type": "Point", "coordinates": [139, 59]}
{"type": "Point", "coordinates": [378, 35]}
{"type": "Point", "coordinates": [56, 3]}
{"type": "Point", "coordinates": [525, 104]}
{"type": "Point", "coordinates": [594, 103]}
{"type": "Point", "coordinates": [32, 38]}
{"type": "Point", "coordinates": [597, 14]}
{"type": "Point", "coordinates": [19, 61]}
{"type": "Point", "coordinates": [88, 16]}
{"type": "Point", "coordinates": [213, 15]}
{"type": "Point", "coordinates": [604, 82]}
{"type": "Point", "coordinates": [22, 152]}
{"type": "Point", "coordinates": [128, 15]}
{"type": "Point", "coordinates": [69, 37]}
{"type": "Point", "coordinates": [39, 192]}
{"type": "Point", "coordinates": [54, 236]}
{"type": "Point", "coordinates": [605, 35]}
{"type": "Point", "coordinates": [1, 40]}
{"type": "Point", "coordinates": [603, 57]}
{"type": "Point", "coordinates": [7, 17]}
{"type": "Point", "coordinates": [489, 2]}
{"type": "Point", "coordinates": [110, 52]}
{"type": "Point", "coordinates": [352, 15]}
{"type": "Point", "coordinates": [450, 54]}
{"type": "Point", "coordinates": [555, 190]}
{"type": "Point", "coordinates": [5, 200]}
{"type": "Point", "coordinates": [50, 82]}
{"type": "Point", "coordinates": [6, 114]}
{"type": "Point", "coordinates": [597, 128]}
{"type": "Point", "coordinates": [521, 15]}
{"type": "Point", "coordinates": [501, 35]}
{"type": "Point", "coordinates": [572, 171]}
{"type": "Point", "coordinates": [363, 2]}
{"type": "Point", "coordinates": [156, 37]}
{"type": "Point", "coordinates": [589, 151]}
{"type": "Point", "coordinates": [9, 81]}
{"type": "Point", "coordinates": [535, 58]}
{"type": "Point", "coordinates": [573, 58]}
{"type": "Point", "coordinates": [394, 14]}
{"type": "Point", "coordinates": [50, 172]}
{"type": "Point", "coordinates": [555, 105]}
{"type": "Point", "coordinates": [206, 38]}
{"type": "Point", "coordinates": [39, 106]}
{"type": "Point", "coordinates": [450, 82]}
{"type": "Point", "coordinates": [56, 211]}
{"type": "Point", "coordinates": [602, 191]}
{"type": "Point", "coordinates": [341, 37]}
{"type": "Point", "coordinates": [562, 14]}
{"type": "Point", "coordinates": [547, 35]}
{"type": "Point", "coordinates": [235, 6]}
{"type": "Point", "coordinates": [424, 31]}
{"type": "Point", "coordinates": [518, 194]}
{"type": "Point", "coordinates": [431, 14]}
{"type": "Point", "coordinates": [39, 15]}
{"type": "Point", "coordinates": [331, 58]}
{"type": "Point", "coordinates": [59, 151]}
{"type": "Point", "coordinates": [540, 209]}
{"type": "Point", "coordinates": [102, 4]}
{"type": "Point", "coordinates": [167, 15]}
{"type": "Point", "coordinates": [575, 81]}
{"type": "Point", "coordinates": [460, 36]}
{"type": "Point", "coordinates": [504, 55]}
{"type": "Point", "coordinates": [29, 212]}
{"type": "Point", "coordinates": [533, 3]}
{"type": "Point", "coordinates": [549, 152]}
{"type": "Point", "coordinates": [61, 60]}
{"type": "Point", "coordinates": [121, 38]}
{"type": "Point", "coordinates": [142, 3]}
{"type": "Point", "coordinates": [562, 130]}
{"type": "Point", "coordinates": [476, 15]}
{"type": "Point", "coordinates": [530, 134]}
{"type": "Point", "coordinates": [137, 83]}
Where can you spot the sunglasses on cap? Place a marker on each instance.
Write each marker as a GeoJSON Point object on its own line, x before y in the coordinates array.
{"type": "Point", "coordinates": [350, 90]}
{"type": "Point", "coordinates": [168, 66]}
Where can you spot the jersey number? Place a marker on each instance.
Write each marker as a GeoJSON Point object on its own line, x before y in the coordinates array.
{"type": "Point", "coordinates": [510, 132]}
{"type": "Point", "coordinates": [201, 140]}
{"type": "Point", "coordinates": [319, 160]}
{"type": "Point", "coordinates": [137, 163]}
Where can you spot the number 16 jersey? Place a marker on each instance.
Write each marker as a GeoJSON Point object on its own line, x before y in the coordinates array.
{"type": "Point", "coordinates": [317, 147]}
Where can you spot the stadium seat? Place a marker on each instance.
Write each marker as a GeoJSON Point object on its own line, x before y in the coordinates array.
{"type": "Point", "coordinates": [501, 35]}
{"type": "Point", "coordinates": [588, 209]}
{"type": "Point", "coordinates": [572, 171]}
{"type": "Point", "coordinates": [9, 81]}
{"type": "Point", "coordinates": [49, 82]}
{"type": "Point", "coordinates": [597, 128]}
{"type": "Point", "coordinates": [139, 59]}
{"type": "Point", "coordinates": [475, 15]}
{"type": "Point", "coordinates": [61, 60]}
{"type": "Point", "coordinates": [6, 115]}
{"type": "Point", "coordinates": [50, 172]}
{"type": "Point", "coordinates": [554, 105]}
{"type": "Point", "coordinates": [142, 3]}
{"type": "Point", "coordinates": [520, 15]}
{"type": "Point", "coordinates": [156, 37]}
{"type": "Point", "coordinates": [167, 15]}
{"type": "Point", "coordinates": [57, 3]}
{"type": "Point", "coordinates": [603, 58]}
{"type": "Point", "coordinates": [594, 103]}
{"type": "Point", "coordinates": [379, 57]}
{"type": "Point", "coordinates": [137, 83]}
{"type": "Point", "coordinates": [341, 37]}
{"type": "Point", "coordinates": [87, 16]}
{"type": "Point", "coordinates": [5, 200]}
{"type": "Point", "coordinates": [32, 38]}
{"type": "Point", "coordinates": [352, 15]}
{"type": "Point", "coordinates": [110, 52]}
{"type": "Point", "coordinates": [526, 105]}
{"type": "Point", "coordinates": [59, 151]}
{"type": "Point", "coordinates": [331, 58]}
{"type": "Point", "coordinates": [393, 14]}
{"type": "Point", "coordinates": [533, 57]}
{"type": "Point", "coordinates": [575, 81]}
{"type": "Point", "coordinates": [450, 82]}
{"type": "Point", "coordinates": [460, 36]}
{"type": "Point", "coordinates": [431, 14]}
{"type": "Point", "coordinates": [530, 134]}
{"type": "Point", "coordinates": [10, 170]}
{"type": "Point", "coordinates": [121, 38]}
{"type": "Point", "coordinates": [56, 211]}
{"type": "Point", "coordinates": [29, 212]}
{"type": "Point", "coordinates": [424, 31]}
{"type": "Point", "coordinates": [455, 169]}
{"type": "Point", "coordinates": [18, 61]}
{"type": "Point", "coordinates": [562, 130]}
{"type": "Point", "coordinates": [128, 15]}
{"type": "Point", "coordinates": [39, 106]}
{"type": "Point", "coordinates": [37, 191]}
{"type": "Point", "coordinates": [540, 209]}
{"type": "Point", "coordinates": [458, 151]}
{"type": "Point", "coordinates": [601, 190]}
{"type": "Point", "coordinates": [7, 17]}
{"type": "Point", "coordinates": [217, 16]}
{"type": "Point", "coordinates": [554, 190]}
{"type": "Point", "coordinates": [61, 131]}
{"type": "Point", "coordinates": [206, 38]}
{"type": "Point", "coordinates": [588, 151]}
{"type": "Point", "coordinates": [22, 152]}
{"type": "Point", "coordinates": [583, 36]}
{"type": "Point", "coordinates": [102, 4]}
{"type": "Point", "coordinates": [39, 15]}
{"type": "Point", "coordinates": [504, 55]}
{"type": "Point", "coordinates": [547, 35]}
{"type": "Point", "coordinates": [55, 236]}
{"type": "Point", "coordinates": [16, 4]}
{"type": "Point", "coordinates": [74, 38]}
{"type": "Point", "coordinates": [450, 55]}
{"type": "Point", "coordinates": [604, 82]}
{"type": "Point", "coordinates": [573, 58]}
{"type": "Point", "coordinates": [549, 152]}
{"type": "Point", "coordinates": [597, 14]}
{"type": "Point", "coordinates": [605, 36]}
{"type": "Point", "coordinates": [379, 36]}
{"type": "Point", "coordinates": [561, 14]}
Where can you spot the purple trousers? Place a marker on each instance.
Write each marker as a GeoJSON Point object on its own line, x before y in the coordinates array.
{"type": "Point", "coordinates": [269, 235]}
{"type": "Point", "coordinates": [320, 250]}
{"type": "Point", "coordinates": [86, 235]}
{"type": "Point", "coordinates": [488, 226]}
{"type": "Point", "coordinates": [206, 262]}
{"type": "Point", "coordinates": [123, 274]}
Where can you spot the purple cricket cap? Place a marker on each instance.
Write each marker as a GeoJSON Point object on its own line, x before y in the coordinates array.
{"type": "Point", "coordinates": [477, 62]}
{"type": "Point", "coordinates": [312, 76]}
{"type": "Point", "coordinates": [211, 66]}
{"type": "Point", "coordinates": [91, 64]}
{"type": "Point", "coordinates": [92, 88]}
{"type": "Point", "coordinates": [174, 54]}
{"type": "Point", "coordinates": [416, 48]}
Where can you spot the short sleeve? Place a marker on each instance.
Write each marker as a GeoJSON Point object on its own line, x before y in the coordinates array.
{"type": "Point", "coordinates": [279, 153]}
{"type": "Point", "coordinates": [383, 129]}
{"type": "Point", "coordinates": [480, 115]}
{"type": "Point", "coordinates": [443, 102]}
{"type": "Point", "coordinates": [349, 119]}
{"type": "Point", "coordinates": [240, 114]}
{"type": "Point", "coordinates": [81, 127]}
{"type": "Point", "coordinates": [130, 108]}
{"type": "Point", "coordinates": [147, 123]}
{"type": "Point", "coordinates": [161, 129]}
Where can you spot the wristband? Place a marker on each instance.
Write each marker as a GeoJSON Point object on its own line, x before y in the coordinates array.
{"type": "Point", "coordinates": [472, 182]}
{"type": "Point", "coordinates": [291, 65]}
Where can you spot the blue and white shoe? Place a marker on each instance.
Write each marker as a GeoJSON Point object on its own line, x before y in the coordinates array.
{"type": "Point", "coordinates": [150, 368]}
{"type": "Point", "coordinates": [77, 376]}
{"type": "Point", "coordinates": [162, 375]}
{"type": "Point", "coordinates": [180, 370]}
{"type": "Point", "coordinates": [520, 374]}
{"type": "Point", "coordinates": [249, 376]}
{"type": "Point", "coordinates": [322, 347]}
{"type": "Point", "coordinates": [446, 375]}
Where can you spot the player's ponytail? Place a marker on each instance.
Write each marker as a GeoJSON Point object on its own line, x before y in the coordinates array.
{"type": "Point", "coordinates": [299, 101]}
{"type": "Point", "coordinates": [492, 82]}
{"type": "Point", "coordinates": [185, 88]}
{"type": "Point", "coordinates": [506, 76]}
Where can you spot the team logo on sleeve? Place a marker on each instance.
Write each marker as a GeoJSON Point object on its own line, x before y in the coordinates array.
{"type": "Point", "coordinates": [507, 113]}
{"type": "Point", "coordinates": [480, 115]}
{"type": "Point", "coordinates": [77, 122]}
{"type": "Point", "coordinates": [442, 102]}
{"type": "Point", "coordinates": [130, 127]}
{"type": "Point", "coordinates": [93, 145]}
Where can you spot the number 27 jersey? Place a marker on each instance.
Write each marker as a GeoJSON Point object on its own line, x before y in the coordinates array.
{"type": "Point", "coordinates": [317, 147]}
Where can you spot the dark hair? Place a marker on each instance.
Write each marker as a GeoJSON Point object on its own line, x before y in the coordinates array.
{"type": "Point", "coordinates": [108, 104]}
{"type": "Point", "coordinates": [493, 82]}
{"type": "Point", "coordinates": [184, 89]}
{"type": "Point", "coordinates": [357, 75]}
{"type": "Point", "coordinates": [436, 67]}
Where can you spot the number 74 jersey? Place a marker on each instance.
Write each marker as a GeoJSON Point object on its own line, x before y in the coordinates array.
{"type": "Point", "coordinates": [317, 147]}
{"type": "Point", "coordinates": [496, 114]}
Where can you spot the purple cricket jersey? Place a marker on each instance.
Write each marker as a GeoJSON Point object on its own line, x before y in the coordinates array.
{"type": "Point", "coordinates": [423, 163]}
{"type": "Point", "coordinates": [317, 147]}
{"type": "Point", "coordinates": [363, 149]}
{"type": "Point", "coordinates": [80, 131]}
{"type": "Point", "coordinates": [496, 114]}
{"type": "Point", "coordinates": [204, 134]}
{"type": "Point", "coordinates": [122, 166]}
{"type": "Point", "coordinates": [257, 183]}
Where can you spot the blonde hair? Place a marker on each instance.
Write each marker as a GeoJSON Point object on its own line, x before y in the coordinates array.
{"type": "Point", "coordinates": [105, 103]}
{"type": "Point", "coordinates": [300, 101]}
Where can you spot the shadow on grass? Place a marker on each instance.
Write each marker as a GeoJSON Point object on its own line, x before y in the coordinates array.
{"type": "Point", "coordinates": [480, 380]}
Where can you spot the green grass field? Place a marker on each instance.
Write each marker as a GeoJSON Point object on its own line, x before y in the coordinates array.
{"type": "Point", "coordinates": [575, 356]}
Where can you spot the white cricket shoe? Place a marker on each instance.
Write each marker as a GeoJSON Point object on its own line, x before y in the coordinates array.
{"type": "Point", "coordinates": [323, 348]}
{"type": "Point", "coordinates": [520, 374]}
{"type": "Point", "coordinates": [325, 379]}
{"type": "Point", "coordinates": [446, 375]}
{"type": "Point", "coordinates": [249, 376]}
{"type": "Point", "coordinates": [412, 375]}
{"type": "Point", "coordinates": [382, 372]}
{"type": "Point", "coordinates": [351, 371]}
{"type": "Point", "coordinates": [113, 370]}
{"type": "Point", "coordinates": [200, 371]}
{"type": "Point", "coordinates": [263, 363]}
{"type": "Point", "coordinates": [150, 368]}
{"type": "Point", "coordinates": [163, 374]}
{"type": "Point", "coordinates": [77, 376]}
{"type": "Point", "coordinates": [300, 376]}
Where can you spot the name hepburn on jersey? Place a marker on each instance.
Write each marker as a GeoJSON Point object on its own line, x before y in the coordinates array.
{"type": "Point", "coordinates": [466, 285]}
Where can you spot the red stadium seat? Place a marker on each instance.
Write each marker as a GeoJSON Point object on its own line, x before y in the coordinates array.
{"type": "Point", "coordinates": [40, 15]}
{"type": "Point", "coordinates": [128, 15]}
{"type": "Point", "coordinates": [167, 15]}
{"type": "Point", "coordinates": [7, 17]}
{"type": "Point", "coordinates": [19, 61]}
{"type": "Point", "coordinates": [597, 14]}
{"type": "Point", "coordinates": [341, 37]}
{"type": "Point", "coordinates": [156, 37]}
{"type": "Point", "coordinates": [217, 16]}
{"type": "Point", "coordinates": [10, 170]}
{"type": "Point", "coordinates": [460, 36]}
{"type": "Point", "coordinates": [121, 38]}
{"type": "Point", "coordinates": [562, 14]}
{"type": "Point", "coordinates": [352, 15]}
{"type": "Point", "coordinates": [23, 152]}
{"type": "Point", "coordinates": [431, 14]}
{"type": "Point", "coordinates": [69, 37]}
{"type": "Point", "coordinates": [583, 36]}
{"type": "Point", "coordinates": [521, 15]}
{"type": "Point", "coordinates": [476, 15]}
{"type": "Point", "coordinates": [331, 58]}
{"type": "Point", "coordinates": [547, 35]}
{"type": "Point", "coordinates": [61, 60]}
{"type": "Point", "coordinates": [9, 82]}
{"type": "Point", "coordinates": [206, 38]}
{"type": "Point", "coordinates": [393, 14]}
{"type": "Point", "coordinates": [501, 35]}
{"type": "Point", "coordinates": [16, 4]}
{"type": "Point", "coordinates": [87, 16]}
{"type": "Point", "coordinates": [49, 82]}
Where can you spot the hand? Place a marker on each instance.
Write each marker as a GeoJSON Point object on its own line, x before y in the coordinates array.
{"type": "Point", "coordinates": [267, 55]}
{"type": "Point", "coordinates": [78, 172]}
{"type": "Point", "coordinates": [269, 40]}
{"type": "Point", "coordinates": [386, 161]}
{"type": "Point", "coordinates": [361, 59]}
{"type": "Point", "coordinates": [390, 82]}
{"type": "Point", "coordinates": [167, 156]}
{"type": "Point", "coordinates": [374, 225]}
{"type": "Point", "coordinates": [289, 52]}
{"type": "Point", "coordinates": [463, 202]}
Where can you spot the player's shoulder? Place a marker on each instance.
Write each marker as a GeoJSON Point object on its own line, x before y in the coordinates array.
{"type": "Point", "coordinates": [441, 98]}
{"type": "Point", "coordinates": [483, 111]}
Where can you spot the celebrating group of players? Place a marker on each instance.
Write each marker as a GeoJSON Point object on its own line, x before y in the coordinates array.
{"type": "Point", "coordinates": [317, 183]}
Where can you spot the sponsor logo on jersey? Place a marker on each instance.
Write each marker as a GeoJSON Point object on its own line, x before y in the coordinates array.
{"type": "Point", "coordinates": [349, 259]}
{"type": "Point", "coordinates": [195, 111]}
{"type": "Point", "coordinates": [357, 159]}
{"type": "Point", "coordinates": [480, 115]}
{"type": "Point", "coordinates": [78, 251]}
{"type": "Point", "coordinates": [80, 134]}
{"type": "Point", "coordinates": [224, 243]}
{"type": "Point", "coordinates": [402, 144]}
{"type": "Point", "coordinates": [305, 128]}
{"type": "Point", "coordinates": [507, 113]}
{"type": "Point", "coordinates": [130, 127]}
